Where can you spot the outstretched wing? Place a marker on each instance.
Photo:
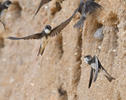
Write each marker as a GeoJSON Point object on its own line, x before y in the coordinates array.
{"type": "Point", "coordinates": [107, 75]}
{"type": "Point", "coordinates": [40, 5]}
{"type": "Point", "coordinates": [97, 68]}
{"type": "Point", "coordinates": [60, 27]}
{"type": "Point", "coordinates": [91, 77]}
{"type": "Point", "coordinates": [80, 23]}
{"type": "Point", "coordinates": [34, 36]}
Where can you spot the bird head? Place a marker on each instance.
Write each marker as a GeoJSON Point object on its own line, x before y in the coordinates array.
{"type": "Point", "coordinates": [87, 58]}
{"type": "Point", "coordinates": [47, 29]}
{"type": "Point", "coordinates": [7, 4]}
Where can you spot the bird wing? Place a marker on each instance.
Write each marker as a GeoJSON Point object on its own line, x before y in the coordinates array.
{"type": "Point", "coordinates": [91, 77]}
{"type": "Point", "coordinates": [97, 68]}
{"type": "Point", "coordinates": [91, 6]}
{"type": "Point", "coordinates": [107, 75]}
{"type": "Point", "coordinates": [34, 36]}
{"type": "Point", "coordinates": [60, 27]}
{"type": "Point", "coordinates": [80, 23]}
{"type": "Point", "coordinates": [40, 5]}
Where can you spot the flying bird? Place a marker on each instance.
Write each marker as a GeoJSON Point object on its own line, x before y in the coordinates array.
{"type": "Point", "coordinates": [86, 8]}
{"type": "Point", "coordinates": [4, 6]}
{"type": "Point", "coordinates": [96, 67]}
{"type": "Point", "coordinates": [40, 5]}
{"type": "Point", "coordinates": [47, 31]}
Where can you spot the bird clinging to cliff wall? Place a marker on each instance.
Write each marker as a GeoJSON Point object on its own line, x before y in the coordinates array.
{"type": "Point", "coordinates": [96, 67]}
{"type": "Point", "coordinates": [4, 6]}
{"type": "Point", "coordinates": [86, 8]}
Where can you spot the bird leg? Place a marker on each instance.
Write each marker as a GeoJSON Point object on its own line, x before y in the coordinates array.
{"type": "Point", "coordinates": [42, 47]}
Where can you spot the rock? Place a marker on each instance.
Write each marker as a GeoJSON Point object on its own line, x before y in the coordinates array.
{"type": "Point", "coordinates": [99, 34]}
{"type": "Point", "coordinates": [26, 76]}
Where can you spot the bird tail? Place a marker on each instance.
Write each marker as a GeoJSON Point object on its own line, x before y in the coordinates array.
{"type": "Point", "coordinates": [42, 47]}
{"type": "Point", "coordinates": [41, 50]}
{"type": "Point", "coordinates": [80, 23]}
{"type": "Point", "coordinates": [107, 75]}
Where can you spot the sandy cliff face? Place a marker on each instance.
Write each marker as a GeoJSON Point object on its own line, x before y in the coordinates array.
{"type": "Point", "coordinates": [61, 73]}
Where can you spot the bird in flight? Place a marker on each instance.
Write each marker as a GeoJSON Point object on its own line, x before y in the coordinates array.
{"type": "Point", "coordinates": [47, 31]}
{"type": "Point", "coordinates": [86, 8]}
{"type": "Point", "coordinates": [40, 5]}
{"type": "Point", "coordinates": [4, 6]}
{"type": "Point", "coordinates": [96, 67]}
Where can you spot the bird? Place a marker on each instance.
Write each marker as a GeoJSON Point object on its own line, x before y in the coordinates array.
{"type": "Point", "coordinates": [3, 6]}
{"type": "Point", "coordinates": [96, 67]}
{"type": "Point", "coordinates": [86, 8]}
{"type": "Point", "coordinates": [47, 31]}
{"type": "Point", "coordinates": [40, 5]}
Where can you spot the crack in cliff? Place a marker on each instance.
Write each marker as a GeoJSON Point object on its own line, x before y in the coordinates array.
{"type": "Point", "coordinates": [60, 46]}
{"type": "Point", "coordinates": [78, 59]}
{"type": "Point", "coordinates": [2, 42]}
{"type": "Point", "coordinates": [57, 8]}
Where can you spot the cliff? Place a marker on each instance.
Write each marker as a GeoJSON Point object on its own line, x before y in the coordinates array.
{"type": "Point", "coordinates": [60, 73]}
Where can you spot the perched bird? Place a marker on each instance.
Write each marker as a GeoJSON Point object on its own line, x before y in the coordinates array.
{"type": "Point", "coordinates": [40, 5]}
{"type": "Point", "coordinates": [4, 6]}
{"type": "Point", "coordinates": [86, 8]}
{"type": "Point", "coordinates": [96, 67]}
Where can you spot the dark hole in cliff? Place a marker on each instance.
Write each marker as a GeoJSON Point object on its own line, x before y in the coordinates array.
{"type": "Point", "coordinates": [56, 9]}
{"type": "Point", "coordinates": [62, 93]}
{"type": "Point", "coordinates": [17, 9]}
{"type": "Point", "coordinates": [113, 18]}
{"type": "Point", "coordinates": [1, 42]}
{"type": "Point", "coordinates": [99, 25]}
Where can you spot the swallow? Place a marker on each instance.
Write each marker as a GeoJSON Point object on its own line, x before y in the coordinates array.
{"type": "Point", "coordinates": [86, 8]}
{"type": "Point", "coordinates": [3, 6]}
{"type": "Point", "coordinates": [47, 31]}
{"type": "Point", "coordinates": [96, 67]}
{"type": "Point", "coordinates": [40, 5]}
